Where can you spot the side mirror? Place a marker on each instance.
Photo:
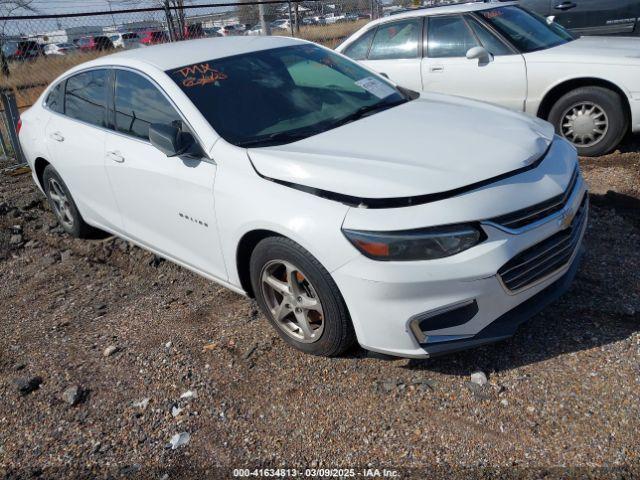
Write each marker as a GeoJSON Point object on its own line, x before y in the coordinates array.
{"type": "Point", "coordinates": [170, 140]}
{"type": "Point", "coordinates": [481, 54]}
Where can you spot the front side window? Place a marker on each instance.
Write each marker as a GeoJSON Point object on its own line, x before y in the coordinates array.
{"type": "Point", "coordinates": [528, 32]}
{"type": "Point", "coordinates": [489, 41]}
{"type": "Point", "coordinates": [86, 97]}
{"type": "Point", "coordinates": [138, 104]}
{"type": "Point", "coordinates": [359, 49]}
{"type": "Point", "coordinates": [396, 40]}
{"type": "Point", "coordinates": [281, 95]}
{"type": "Point", "coordinates": [449, 37]}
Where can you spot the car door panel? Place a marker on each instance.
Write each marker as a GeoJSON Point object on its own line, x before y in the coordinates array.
{"type": "Point", "coordinates": [165, 203]}
{"type": "Point", "coordinates": [395, 52]}
{"type": "Point", "coordinates": [596, 17]}
{"type": "Point", "coordinates": [445, 68]}
{"type": "Point", "coordinates": [76, 147]}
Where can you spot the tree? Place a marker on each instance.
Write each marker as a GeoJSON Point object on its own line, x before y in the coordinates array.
{"type": "Point", "coordinates": [7, 9]}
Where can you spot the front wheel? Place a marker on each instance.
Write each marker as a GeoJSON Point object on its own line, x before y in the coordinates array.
{"type": "Point", "coordinates": [300, 298]}
{"type": "Point", "coordinates": [591, 118]}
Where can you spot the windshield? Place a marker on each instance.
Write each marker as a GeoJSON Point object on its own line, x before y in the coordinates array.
{"type": "Point", "coordinates": [527, 31]}
{"type": "Point", "coordinates": [277, 96]}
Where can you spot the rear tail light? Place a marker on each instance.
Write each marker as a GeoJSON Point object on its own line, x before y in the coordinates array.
{"type": "Point", "coordinates": [19, 126]}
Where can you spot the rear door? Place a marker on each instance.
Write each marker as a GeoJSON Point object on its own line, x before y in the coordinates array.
{"type": "Point", "coordinates": [396, 50]}
{"type": "Point", "coordinates": [75, 139]}
{"type": "Point", "coordinates": [166, 203]}
{"type": "Point", "coordinates": [596, 17]}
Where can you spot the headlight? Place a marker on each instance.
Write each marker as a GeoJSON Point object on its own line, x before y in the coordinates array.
{"type": "Point", "coordinates": [422, 244]}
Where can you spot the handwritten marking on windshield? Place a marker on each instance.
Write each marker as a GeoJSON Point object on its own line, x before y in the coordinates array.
{"type": "Point", "coordinates": [200, 75]}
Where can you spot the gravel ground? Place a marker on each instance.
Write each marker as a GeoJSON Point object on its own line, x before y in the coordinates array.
{"type": "Point", "coordinates": [106, 353]}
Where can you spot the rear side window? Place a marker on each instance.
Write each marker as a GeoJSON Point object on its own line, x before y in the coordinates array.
{"type": "Point", "coordinates": [138, 104]}
{"type": "Point", "coordinates": [358, 50]}
{"type": "Point", "coordinates": [449, 37]}
{"type": "Point", "coordinates": [396, 40]}
{"type": "Point", "coordinates": [86, 97]}
{"type": "Point", "coordinates": [55, 98]}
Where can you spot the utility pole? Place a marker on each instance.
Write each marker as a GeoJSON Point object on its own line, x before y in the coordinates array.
{"type": "Point", "coordinates": [266, 28]}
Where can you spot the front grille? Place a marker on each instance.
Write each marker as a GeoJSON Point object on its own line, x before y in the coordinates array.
{"type": "Point", "coordinates": [545, 257]}
{"type": "Point", "coordinates": [522, 218]}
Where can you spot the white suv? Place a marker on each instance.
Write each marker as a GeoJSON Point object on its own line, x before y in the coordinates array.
{"type": "Point", "coordinates": [352, 209]}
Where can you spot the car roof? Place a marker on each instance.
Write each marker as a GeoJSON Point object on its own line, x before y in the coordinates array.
{"type": "Point", "coordinates": [445, 9]}
{"type": "Point", "coordinates": [173, 55]}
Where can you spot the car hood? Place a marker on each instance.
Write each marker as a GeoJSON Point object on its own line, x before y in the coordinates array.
{"type": "Point", "coordinates": [602, 50]}
{"type": "Point", "coordinates": [430, 145]}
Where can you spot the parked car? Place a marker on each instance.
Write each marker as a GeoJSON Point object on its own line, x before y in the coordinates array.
{"type": "Point", "coordinates": [125, 40]}
{"type": "Point", "coordinates": [9, 49]}
{"type": "Point", "coordinates": [211, 32]}
{"type": "Point", "coordinates": [508, 56]}
{"type": "Point", "coordinates": [153, 37]}
{"type": "Point", "coordinates": [22, 50]}
{"type": "Point", "coordinates": [591, 17]}
{"type": "Point", "coordinates": [96, 43]}
{"type": "Point", "coordinates": [255, 30]}
{"type": "Point", "coordinates": [193, 31]}
{"type": "Point", "coordinates": [349, 207]}
{"type": "Point", "coordinates": [59, 48]}
{"type": "Point", "coordinates": [281, 24]}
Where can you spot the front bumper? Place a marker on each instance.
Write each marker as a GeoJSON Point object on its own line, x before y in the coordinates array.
{"type": "Point", "coordinates": [384, 298]}
{"type": "Point", "coordinates": [507, 324]}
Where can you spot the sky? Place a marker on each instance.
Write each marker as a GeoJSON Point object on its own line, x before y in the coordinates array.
{"type": "Point", "coordinates": [43, 7]}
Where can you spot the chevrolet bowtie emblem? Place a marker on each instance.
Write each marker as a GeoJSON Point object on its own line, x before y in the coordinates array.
{"type": "Point", "coordinates": [566, 219]}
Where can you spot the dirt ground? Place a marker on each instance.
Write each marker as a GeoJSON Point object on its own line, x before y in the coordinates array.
{"type": "Point", "coordinates": [563, 397]}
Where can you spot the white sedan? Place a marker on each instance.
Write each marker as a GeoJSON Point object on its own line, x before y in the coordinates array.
{"type": "Point", "coordinates": [350, 208]}
{"type": "Point", "coordinates": [60, 48]}
{"type": "Point", "coordinates": [588, 88]}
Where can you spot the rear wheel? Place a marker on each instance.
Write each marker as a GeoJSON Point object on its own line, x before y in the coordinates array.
{"type": "Point", "coordinates": [300, 298]}
{"type": "Point", "coordinates": [64, 207]}
{"type": "Point", "coordinates": [591, 118]}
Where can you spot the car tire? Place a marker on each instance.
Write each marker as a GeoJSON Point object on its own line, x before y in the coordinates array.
{"type": "Point", "coordinates": [64, 207]}
{"type": "Point", "coordinates": [325, 331]}
{"type": "Point", "coordinates": [597, 110]}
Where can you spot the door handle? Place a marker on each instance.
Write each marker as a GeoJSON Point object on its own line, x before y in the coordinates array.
{"type": "Point", "coordinates": [57, 137]}
{"type": "Point", "coordinates": [115, 156]}
{"type": "Point", "coordinates": [565, 6]}
{"type": "Point", "coordinates": [436, 68]}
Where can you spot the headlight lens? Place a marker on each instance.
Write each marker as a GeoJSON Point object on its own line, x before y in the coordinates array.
{"type": "Point", "coordinates": [422, 244]}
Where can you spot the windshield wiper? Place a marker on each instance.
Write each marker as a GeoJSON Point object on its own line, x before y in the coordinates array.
{"type": "Point", "coordinates": [366, 111]}
{"type": "Point", "coordinates": [279, 138]}
{"type": "Point", "coordinates": [276, 138]}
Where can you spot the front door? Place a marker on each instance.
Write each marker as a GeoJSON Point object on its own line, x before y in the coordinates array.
{"type": "Point", "coordinates": [166, 203]}
{"type": "Point", "coordinates": [446, 69]}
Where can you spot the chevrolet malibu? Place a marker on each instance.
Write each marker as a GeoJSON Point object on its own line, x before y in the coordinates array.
{"type": "Point", "coordinates": [588, 88]}
{"type": "Point", "coordinates": [350, 208]}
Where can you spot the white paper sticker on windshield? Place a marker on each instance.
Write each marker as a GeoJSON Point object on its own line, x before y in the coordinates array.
{"type": "Point", "coordinates": [376, 87]}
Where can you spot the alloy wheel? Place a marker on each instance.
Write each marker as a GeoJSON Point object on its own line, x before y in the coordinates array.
{"type": "Point", "coordinates": [292, 301]}
{"type": "Point", "coordinates": [61, 203]}
{"type": "Point", "coordinates": [584, 124]}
